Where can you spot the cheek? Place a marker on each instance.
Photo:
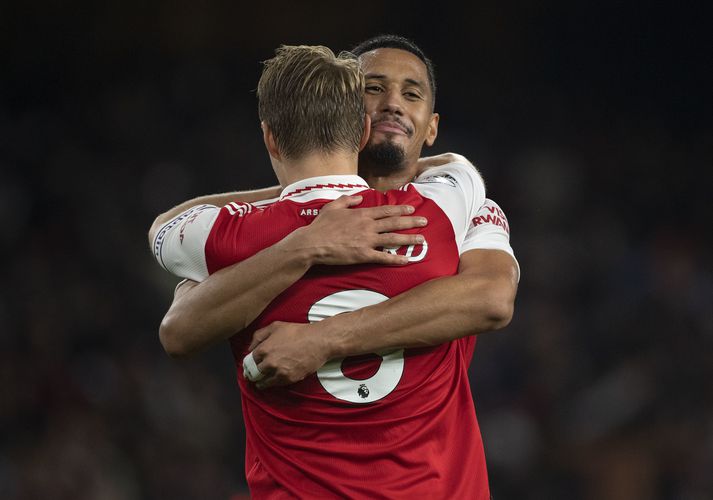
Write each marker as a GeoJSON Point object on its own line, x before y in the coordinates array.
{"type": "Point", "coordinates": [371, 104]}
{"type": "Point", "coordinates": [424, 124]}
{"type": "Point", "coordinates": [421, 132]}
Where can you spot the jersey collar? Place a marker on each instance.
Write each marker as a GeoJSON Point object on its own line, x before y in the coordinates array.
{"type": "Point", "coordinates": [327, 182]}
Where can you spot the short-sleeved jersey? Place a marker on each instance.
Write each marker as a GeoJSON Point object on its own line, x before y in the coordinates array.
{"type": "Point", "coordinates": [489, 230]}
{"type": "Point", "coordinates": [391, 425]}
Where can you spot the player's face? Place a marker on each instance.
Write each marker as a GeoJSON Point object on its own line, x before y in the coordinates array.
{"type": "Point", "coordinates": [399, 101]}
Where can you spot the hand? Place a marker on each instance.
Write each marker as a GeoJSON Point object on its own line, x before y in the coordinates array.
{"type": "Point", "coordinates": [286, 353]}
{"type": "Point", "coordinates": [436, 161]}
{"type": "Point", "coordinates": [342, 236]}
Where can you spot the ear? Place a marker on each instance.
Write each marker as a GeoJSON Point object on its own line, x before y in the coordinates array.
{"type": "Point", "coordinates": [269, 139]}
{"type": "Point", "coordinates": [432, 131]}
{"type": "Point", "coordinates": [367, 131]}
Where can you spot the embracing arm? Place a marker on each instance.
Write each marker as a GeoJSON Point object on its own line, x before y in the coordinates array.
{"type": "Point", "coordinates": [230, 299]}
{"type": "Point", "coordinates": [213, 199]}
{"type": "Point", "coordinates": [479, 298]}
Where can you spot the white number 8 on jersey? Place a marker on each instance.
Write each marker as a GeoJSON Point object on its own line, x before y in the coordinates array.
{"type": "Point", "coordinates": [387, 377]}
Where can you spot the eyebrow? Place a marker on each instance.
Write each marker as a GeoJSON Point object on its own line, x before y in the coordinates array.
{"type": "Point", "coordinates": [410, 81]}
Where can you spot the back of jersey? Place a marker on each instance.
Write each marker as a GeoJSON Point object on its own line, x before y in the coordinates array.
{"type": "Point", "coordinates": [396, 424]}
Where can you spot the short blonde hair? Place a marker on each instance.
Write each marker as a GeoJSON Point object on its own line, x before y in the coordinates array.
{"type": "Point", "coordinates": [312, 100]}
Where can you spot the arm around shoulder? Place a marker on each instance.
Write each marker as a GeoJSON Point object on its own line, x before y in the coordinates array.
{"type": "Point", "coordinates": [212, 199]}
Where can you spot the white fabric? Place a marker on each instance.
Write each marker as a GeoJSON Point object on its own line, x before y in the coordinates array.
{"type": "Point", "coordinates": [489, 230]}
{"type": "Point", "coordinates": [327, 187]}
{"type": "Point", "coordinates": [250, 369]}
{"type": "Point", "coordinates": [179, 245]}
{"type": "Point", "coordinates": [458, 189]}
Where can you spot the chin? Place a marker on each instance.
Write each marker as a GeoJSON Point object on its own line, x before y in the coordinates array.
{"type": "Point", "coordinates": [384, 155]}
{"type": "Point", "coordinates": [381, 137]}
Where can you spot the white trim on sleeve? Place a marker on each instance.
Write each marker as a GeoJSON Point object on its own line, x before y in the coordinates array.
{"type": "Point", "coordinates": [179, 246]}
{"type": "Point", "coordinates": [489, 230]}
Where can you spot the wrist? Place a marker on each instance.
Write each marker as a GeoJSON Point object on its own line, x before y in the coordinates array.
{"type": "Point", "coordinates": [298, 246]}
{"type": "Point", "coordinates": [334, 336]}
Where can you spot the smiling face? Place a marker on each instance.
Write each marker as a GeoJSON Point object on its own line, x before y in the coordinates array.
{"type": "Point", "coordinates": [399, 100]}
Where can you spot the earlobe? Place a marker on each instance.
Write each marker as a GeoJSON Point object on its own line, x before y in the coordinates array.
{"type": "Point", "coordinates": [432, 129]}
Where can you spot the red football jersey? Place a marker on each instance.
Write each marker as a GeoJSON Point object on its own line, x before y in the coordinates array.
{"type": "Point", "coordinates": [392, 425]}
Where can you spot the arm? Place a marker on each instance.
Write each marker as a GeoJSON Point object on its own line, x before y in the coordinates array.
{"type": "Point", "coordinates": [213, 199]}
{"type": "Point", "coordinates": [230, 299]}
{"type": "Point", "coordinates": [227, 301]}
{"type": "Point", "coordinates": [427, 162]}
{"type": "Point", "coordinates": [479, 298]}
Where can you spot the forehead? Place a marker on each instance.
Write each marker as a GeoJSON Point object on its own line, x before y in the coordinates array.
{"type": "Point", "coordinates": [394, 64]}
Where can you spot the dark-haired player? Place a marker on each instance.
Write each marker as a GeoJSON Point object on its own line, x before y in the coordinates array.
{"type": "Point", "coordinates": [399, 99]}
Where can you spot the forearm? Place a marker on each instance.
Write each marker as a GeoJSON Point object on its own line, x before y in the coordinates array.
{"type": "Point", "coordinates": [230, 299]}
{"type": "Point", "coordinates": [427, 162]}
{"type": "Point", "coordinates": [213, 199]}
{"type": "Point", "coordinates": [432, 313]}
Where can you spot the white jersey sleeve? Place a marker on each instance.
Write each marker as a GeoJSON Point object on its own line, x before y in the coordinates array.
{"type": "Point", "coordinates": [489, 230]}
{"type": "Point", "coordinates": [179, 246]}
{"type": "Point", "coordinates": [458, 190]}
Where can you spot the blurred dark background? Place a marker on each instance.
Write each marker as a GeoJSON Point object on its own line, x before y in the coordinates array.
{"type": "Point", "coordinates": [591, 123]}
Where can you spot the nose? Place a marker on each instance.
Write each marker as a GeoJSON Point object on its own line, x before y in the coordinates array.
{"type": "Point", "coordinates": [392, 102]}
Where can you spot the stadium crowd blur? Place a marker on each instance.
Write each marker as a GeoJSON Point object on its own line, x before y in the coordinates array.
{"type": "Point", "coordinates": [590, 126]}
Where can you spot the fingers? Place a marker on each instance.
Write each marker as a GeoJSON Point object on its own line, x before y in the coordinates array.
{"type": "Point", "coordinates": [258, 337]}
{"type": "Point", "coordinates": [386, 211]}
{"type": "Point", "coordinates": [395, 240]}
{"type": "Point", "coordinates": [274, 380]}
{"type": "Point", "coordinates": [262, 334]}
{"type": "Point", "coordinates": [371, 212]}
{"type": "Point", "coordinates": [271, 377]}
{"type": "Point", "coordinates": [250, 369]}
{"type": "Point", "coordinates": [343, 202]}
{"type": "Point", "coordinates": [266, 383]}
{"type": "Point", "coordinates": [385, 258]}
{"type": "Point", "coordinates": [399, 223]}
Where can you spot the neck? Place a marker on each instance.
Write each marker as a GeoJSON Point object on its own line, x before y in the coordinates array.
{"type": "Point", "coordinates": [315, 165]}
{"type": "Point", "coordinates": [386, 182]}
{"type": "Point", "coordinates": [385, 178]}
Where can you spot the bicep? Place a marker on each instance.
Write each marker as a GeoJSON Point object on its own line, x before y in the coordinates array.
{"type": "Point", "coordinates": [495, 269]}
{"type": "Point", "coordinates": [183, 287]}
{"type": "Point", "coordinates": [489, 230]}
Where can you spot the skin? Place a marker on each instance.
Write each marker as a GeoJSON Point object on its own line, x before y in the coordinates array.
{"type": "Point", "coordinates": [479, 298]}
{"type": "Point", "coordinates": [398, 100]}
{"type": "Point", "coordinates": [233, 297]}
